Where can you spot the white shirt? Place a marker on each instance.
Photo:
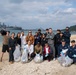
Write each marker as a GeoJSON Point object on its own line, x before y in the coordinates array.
{"type": "Point", "coordinates": [23, 41]}
{"type": "Point", "coordinates": [30, 48]}
{"type": "Point", "coordinates": [47, 51]}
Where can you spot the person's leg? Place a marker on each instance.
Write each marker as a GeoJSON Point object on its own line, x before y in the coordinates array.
{"type": "Point", "coordinates": [3, 51]}
{"type": "Point", "coordinates": [10, 55]}
{"type": "Point", "coordinates": [44, 58]}
{"type": "Point", "coordinates": [33, 55]}
{"type": "Point", "coordinates": [13, 49]}
{"type": "Point", "coordinates": [50, 56]}
{"type": "Point", "coordinates": [53, 49]}
{"type": "Point", "coordinates": [2, 56]}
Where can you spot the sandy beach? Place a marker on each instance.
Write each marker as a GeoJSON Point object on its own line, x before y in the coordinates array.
{"type": "Point", "coordinates": [32, 68]}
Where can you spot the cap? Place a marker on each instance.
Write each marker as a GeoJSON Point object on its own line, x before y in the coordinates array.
{"type": "Point", "coordinates": [63, 40]}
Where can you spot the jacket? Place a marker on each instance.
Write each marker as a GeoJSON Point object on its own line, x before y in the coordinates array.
{"type": "Point", "coordinates": [72, 52]}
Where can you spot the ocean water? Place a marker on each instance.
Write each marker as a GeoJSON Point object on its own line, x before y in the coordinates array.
{"type": "Point", "coordinates": [26, 32]}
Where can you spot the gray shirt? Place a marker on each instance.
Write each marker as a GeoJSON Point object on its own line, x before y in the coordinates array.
{"type": "Point", "coordinates": [51, 38]}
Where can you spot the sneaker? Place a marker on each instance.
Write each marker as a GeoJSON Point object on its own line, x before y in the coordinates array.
{"type": "Point", "coordinates": [10, 62]}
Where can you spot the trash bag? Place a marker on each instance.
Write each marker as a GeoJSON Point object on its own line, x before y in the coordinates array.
{"type": "Point", "coordinates": [24, 58]}
{"type": "Point", "coordinates": [61, 59]}
{"type": "Point", "coordinates": [38, 58]}
{"type": "Point", "coordinates": [68, 61]}
{"type": "Point", "coordinates": [17, 54]}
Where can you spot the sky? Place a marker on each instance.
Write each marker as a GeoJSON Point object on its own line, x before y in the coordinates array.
{"type": "Point", "coordinates": [31, 14]}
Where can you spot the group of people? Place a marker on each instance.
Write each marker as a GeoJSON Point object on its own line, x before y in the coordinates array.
{"type": "Point", "coordinates": [47, 46]}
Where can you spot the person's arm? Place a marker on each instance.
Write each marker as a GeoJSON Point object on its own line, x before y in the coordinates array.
{"type": "Point", "coordinates": [41, 50]}
{"type": "Point", "coordinates": [32, 49]}
{"type": "Point", "coordinates": [35, 50]}
{"type": "Point", "coordinates": [26, 39]}
{"type": "Point", "coordinates": [33, 39]}
{"type": "Point", "coordinates": [52, 36]}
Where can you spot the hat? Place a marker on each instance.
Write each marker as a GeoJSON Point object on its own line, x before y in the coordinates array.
{"type": "Point", "coordinates": [63, 40]}
{"type": "Point", "coordinates": [73, 41]}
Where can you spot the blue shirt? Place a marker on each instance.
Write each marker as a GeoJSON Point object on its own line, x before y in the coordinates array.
{"type": "Point", "coordinates": [60, 48]}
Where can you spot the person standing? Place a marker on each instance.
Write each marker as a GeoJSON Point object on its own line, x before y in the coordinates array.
{"type": "Point", "coordinates": [39, 34]}
{"type": "Point", "coordinates": [18, 39]}
{"type": "Point", "coordinates": [51, 41]}
{"type": "Point", "coordinates": [57, 41]}
{"type": "Point", "coordinates": [37, 38]}
{"type": "Point", "coordinates": [23, 41]}
{"type": "Point", "coordinates": [67, 35]}
{"type": "Point", "coordinates": [30, 38]}
{"type": "Point", "coordinates": [12, 45]}
{"type": "Point", "coordinates": [46, 33]}
{"type": "Point", "coordinates": [5, 44]}
{"type": "Point", "coordinates": [43, 40]}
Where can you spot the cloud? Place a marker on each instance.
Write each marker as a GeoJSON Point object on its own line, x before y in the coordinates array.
{"type": "Point", "coordinates": [16, 1]}
{"type": "Point", "coordinates": [38, 13]}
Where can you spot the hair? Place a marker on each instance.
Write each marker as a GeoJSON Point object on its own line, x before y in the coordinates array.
{"type": "Point", "coordinates": [47, 29]}
{"type": "Point", "coordinates": [50, 28]}
{"type": "Point", "coordinates": [39, 29]}
{"type": "Point", "coordinates": [73, 41]}
{"type": "Point", "coordinates": [12, 33]}
{"type": "Point", "coordinates": [17, 34]}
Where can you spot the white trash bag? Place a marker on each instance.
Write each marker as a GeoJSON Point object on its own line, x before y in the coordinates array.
{"type": "Point", "coordinates": [68, 61]}
{"type": "Point", "coordinates": [17, 54]}
{"type": "Point", "coordinates": [38, 58]}
{"type": "Point", "coordinates": [24, 58]}
{"type": "Point", "coordinates": [61, 59]}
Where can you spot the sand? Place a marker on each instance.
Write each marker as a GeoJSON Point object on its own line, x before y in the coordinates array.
{"type": "Point", "coordinates": [32, 68]}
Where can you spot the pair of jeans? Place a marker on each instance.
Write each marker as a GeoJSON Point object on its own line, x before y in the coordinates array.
{"type": "Point", "coordinates": [11, 56]}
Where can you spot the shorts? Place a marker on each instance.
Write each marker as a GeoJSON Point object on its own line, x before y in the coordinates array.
{"type": "Point", "coordinates": [5, 48]}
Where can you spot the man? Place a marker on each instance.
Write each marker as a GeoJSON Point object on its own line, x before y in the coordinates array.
{"type": "Point", "coordinates": [51, 41]}
{"type": "Point", "coordinates": [70, 56]}
{"type": "Point", "coordinates": [72, 51]}
{"type": "Point", "coordinates": [67, 35]}
{"type": "Point", "coordinates": [57, 42]}
{"type": "Point", "coordinates": [62, 48]}
{"type": "Point", "coordinates": [23, 41]}
{"type": "Point", "coordinates": [47, 31]}
{"type": "Point", "coordinates": [5, 44]}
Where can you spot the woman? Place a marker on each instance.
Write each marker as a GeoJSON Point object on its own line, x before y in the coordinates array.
{"type": "Point", "coordinates": [30, 49]}
{"type": "Point", "coordinates": [30, 37]}
{"type": "Point", "coordinates": [18, 39]}
{"type": "Point", "coordinates": [47, 52]}
{"type": "Point", "coordinates": [38, 49]}
{"type": "Point", "coordinates": [38, 53]}
{"type": "Point", "coordinates": [43, 40]}
{"type": "Point", "coordinates": [11, 44]}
